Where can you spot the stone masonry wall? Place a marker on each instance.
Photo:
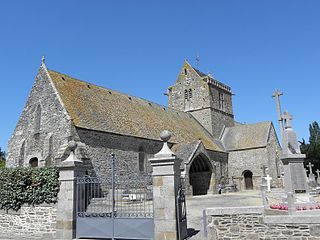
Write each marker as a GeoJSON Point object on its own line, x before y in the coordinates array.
{"type": "Point", "coordinates": [249, 224]}
{"type": "Point", "coordinates": [100, 145]}
{"type": "Point", "coordinates": [249, 159]}
{"type": "Point", "coordinates": [29, 222]}
{"type": "Point", "coordinates": [43, 127]}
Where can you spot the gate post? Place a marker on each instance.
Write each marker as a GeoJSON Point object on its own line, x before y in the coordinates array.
{"type": "Point", "coordinates": [69, 169]}
{"type": "Point", "coordinates": [166, 180]}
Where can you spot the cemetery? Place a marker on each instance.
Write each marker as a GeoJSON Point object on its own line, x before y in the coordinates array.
{"type": "Point", "coordinates": [291, 212]}
{"type": "Point", "coordinates": [91, 180]}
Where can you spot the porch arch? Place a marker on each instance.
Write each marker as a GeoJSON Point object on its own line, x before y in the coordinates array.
{"type": "Point", "coordinates": [200, 173]}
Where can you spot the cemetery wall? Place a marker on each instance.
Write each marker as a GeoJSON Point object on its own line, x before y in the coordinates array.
{"type": "Point", "coordinates": [38, 222]}
{"type": "Point", "coordinates": [251, 223]}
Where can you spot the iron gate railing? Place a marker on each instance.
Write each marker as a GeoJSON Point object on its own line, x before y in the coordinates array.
{"type": "Point", "coordinates": [181, 213]}
{"type": "Point", "coordinates": [116, 207]}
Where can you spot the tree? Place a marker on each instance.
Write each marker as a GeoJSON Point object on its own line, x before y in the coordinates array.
{"type": "Point", "coordinates": [2, 158]}
{"type": "Point", "coordinates": [312, 149]}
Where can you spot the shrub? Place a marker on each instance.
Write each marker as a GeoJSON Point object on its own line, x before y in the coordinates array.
{"type": "Point", "coordinates": [31, 186]}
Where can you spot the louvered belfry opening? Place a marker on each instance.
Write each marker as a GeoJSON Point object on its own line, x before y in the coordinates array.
{"type": "Point", "coordinates": [200, 175]}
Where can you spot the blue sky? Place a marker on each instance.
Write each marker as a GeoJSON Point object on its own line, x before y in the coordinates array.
{"type": "Point", "coordinates": [138, 47]}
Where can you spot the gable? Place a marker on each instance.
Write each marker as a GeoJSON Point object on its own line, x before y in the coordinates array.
{"type": "Point", "coordinates": [100, 109]}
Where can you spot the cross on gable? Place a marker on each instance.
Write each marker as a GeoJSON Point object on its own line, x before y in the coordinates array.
{"type": "Point", "coordinates": [318, 172]}
{"type": "Point", "coordinates": [287, 118]}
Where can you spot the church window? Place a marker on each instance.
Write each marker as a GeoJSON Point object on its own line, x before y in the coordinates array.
{"type": "Point", "coordinates": [141, 160]}
{"type": "Point", "coordinates": [33, 162]}
{"type": "Point", "coordinates": [37, 120]}
{"type": "Point", "coordinates": [185, 71]}
{"type": "Point", "coordinates": [21, 155]}
{"type": "Point", "coordinates": [190, 93]}
{"type": "Point", "coordinates": [186, 94]}
{"type": "Point", "coordinates": [221, 101]}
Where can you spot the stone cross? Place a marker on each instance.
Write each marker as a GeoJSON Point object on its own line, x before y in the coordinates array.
{"type": "Point", "coordinates": [318, 172]}
{"type": "Point", "coordinates": [287, 118]}
{"type": "Point", "coordinates": [276, 95]}
{"type": "Point", "coordinates": [310, 165]}
{"type": "Point", "coordinates": [268, 179]}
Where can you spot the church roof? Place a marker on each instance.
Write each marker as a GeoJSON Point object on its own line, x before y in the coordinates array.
{"type": "Point", "coordinates": [97, 108]}
{"type": "Point", "coordinates": [201, 74]}
{"type": "Point", "coordinates": [246, 136]}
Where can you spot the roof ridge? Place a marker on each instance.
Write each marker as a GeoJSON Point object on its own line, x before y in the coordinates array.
{"type": "Point", "coordinates": [115, 91]}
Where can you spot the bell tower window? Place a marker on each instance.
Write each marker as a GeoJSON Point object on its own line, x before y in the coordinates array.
{"type": "Point", "coordinates": [186, 94]}
{"type": "Point", "coordinates": [221, 101]}
{"type": "Point", "coordinates": [190, 93]}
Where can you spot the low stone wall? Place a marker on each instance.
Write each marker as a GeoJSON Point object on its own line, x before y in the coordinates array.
{"type": "Point", "coordinates": [252, 223]}
{"type": "Point", "coordinates": [29, 222]}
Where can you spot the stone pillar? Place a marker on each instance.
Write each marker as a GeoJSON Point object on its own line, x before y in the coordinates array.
{"type": "Point", "coordinates": [166, 179]}
{"type": "Point", "coordinates": [66, 207]}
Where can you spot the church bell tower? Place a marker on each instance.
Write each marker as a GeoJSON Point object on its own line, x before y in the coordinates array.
{"type": "Point", "coordinates": [206, 99]}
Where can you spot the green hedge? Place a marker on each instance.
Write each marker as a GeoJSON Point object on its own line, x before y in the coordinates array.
{"type": "Point", "coordinates": [31, 186]}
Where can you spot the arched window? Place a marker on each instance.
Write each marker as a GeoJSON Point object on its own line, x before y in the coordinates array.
{"type": "Point", "coordinates": [141, 160]}
{"type": "Point", "coordinates": [21, 155]}
{"type": "Point", "coordinates": [185, 71]}
{"type": "Point", "coordinates": [186, 94]}
{"type": "Point", "coordinates": [37, 120]}
{"type": "Point", "coordinates": [221, 101]}
{"type": "Point", "coordinates": [50, 151]}
{"type": "Point", "coordinates": [190, 93]}
{"type": "Point", "coordinates": [33, 162]}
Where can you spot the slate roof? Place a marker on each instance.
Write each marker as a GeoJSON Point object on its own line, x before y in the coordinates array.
{"type": "Point", "coordinates": [201, 74]}
{"type": "Point", "coordinates": [97, 108]}
{"type": "Point", "coordinates": [184, 150]}
{"type": "Point", "coordinates": [246, 136]}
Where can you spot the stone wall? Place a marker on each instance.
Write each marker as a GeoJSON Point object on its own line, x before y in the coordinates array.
{"type": "Point", "coordinates": [29, 222]}
{"type": "Point", "coordinates": [251, 223]}
{"type": "Point", "coordinates": [43, 127]}
{"type": "Point", "coordinates": [99, 146]}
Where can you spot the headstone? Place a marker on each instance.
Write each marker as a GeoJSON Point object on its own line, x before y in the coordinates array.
{"type": "Point", "coordinates": [312, 178]}
{"type": "Point", "coordinates": [263, 178]}
{"type": "Point", "coordinates": [318, 179]}
{"type": "Point", "coordinates": [268, 179]}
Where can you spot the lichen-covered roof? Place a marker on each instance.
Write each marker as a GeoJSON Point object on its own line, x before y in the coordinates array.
{"type": "Point", "coordinates": [246, 136]}
{"type": "Point", "coordinates": [184, 150]}
{"type": "Point", "coordinates": [97, 108]}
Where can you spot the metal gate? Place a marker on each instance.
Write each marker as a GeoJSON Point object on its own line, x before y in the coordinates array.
{"type": "Point", "coordinates": [181, 213]}
{"type": "Point", "coordinates": [116, 207]}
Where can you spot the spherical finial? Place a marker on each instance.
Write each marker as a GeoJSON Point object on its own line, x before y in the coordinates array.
{"type": "Point", "coordinates": [72, 145]}
{"type": "Point", "coordinates": [165, 135]}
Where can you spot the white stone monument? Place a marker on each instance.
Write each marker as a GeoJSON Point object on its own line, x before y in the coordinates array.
{"type": "Point", "coordinates": [268, 179]}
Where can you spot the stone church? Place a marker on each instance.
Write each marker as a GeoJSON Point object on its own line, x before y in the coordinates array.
{"type": "Point", "coordinates": [214, 148]}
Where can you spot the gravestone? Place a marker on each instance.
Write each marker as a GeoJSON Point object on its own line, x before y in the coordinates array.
{"type": "Point", "coordinates": [292, 159]}
{"type": "Point", "coordinates": [318, 179]}
{"type": "Point", "coordinates": [268, 179]}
